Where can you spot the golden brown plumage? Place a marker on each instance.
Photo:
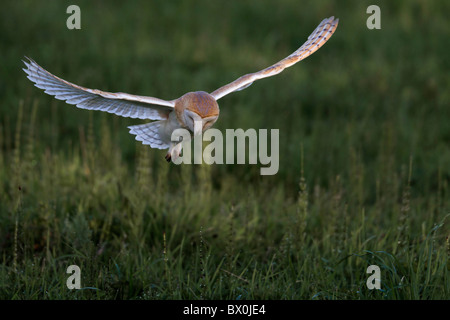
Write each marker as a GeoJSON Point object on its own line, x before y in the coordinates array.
{"type": "Point", "coordinates": [200, 102]}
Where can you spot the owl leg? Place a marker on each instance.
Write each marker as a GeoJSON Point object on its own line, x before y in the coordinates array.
{"type": "Point", "coordinates": [174, 151]}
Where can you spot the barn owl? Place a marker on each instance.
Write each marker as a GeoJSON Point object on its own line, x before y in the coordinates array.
{"type": "Point", "coordinates": [185, 112]}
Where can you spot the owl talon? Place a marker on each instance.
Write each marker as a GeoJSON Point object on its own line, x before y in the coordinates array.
{"type": "Point", "coordinates": [168, 157]}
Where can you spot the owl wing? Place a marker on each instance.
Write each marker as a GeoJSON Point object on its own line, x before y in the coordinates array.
{"type": "Point", "coordinates": [320, 35]}
{"type": "Point", "coordinates": [119, 103]}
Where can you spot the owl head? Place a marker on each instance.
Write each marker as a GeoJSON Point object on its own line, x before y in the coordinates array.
{"type": "Point", "coordinates": [197, 111]}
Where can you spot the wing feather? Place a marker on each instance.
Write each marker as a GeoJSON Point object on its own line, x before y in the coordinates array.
{"type": "Point", "coordinates": [119, 103]}
{"type": "Point", "coordinates": [318, 37]}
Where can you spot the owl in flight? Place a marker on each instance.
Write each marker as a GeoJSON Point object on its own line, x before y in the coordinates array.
{"type": "Point", "coordinates": [192, 108]}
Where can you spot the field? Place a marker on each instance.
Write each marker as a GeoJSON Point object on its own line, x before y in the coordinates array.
{"type": "Point", "coordinates": [364, 154]}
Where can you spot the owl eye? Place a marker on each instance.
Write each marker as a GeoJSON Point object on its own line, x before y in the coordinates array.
{"type": "Point", "coordinates": [208, 123]}
{"type": "Point", "coordinates": [189, 120]}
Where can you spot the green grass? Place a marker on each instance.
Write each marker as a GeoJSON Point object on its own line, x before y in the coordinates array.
{"type": "Point", "coordinates": [364, 154]}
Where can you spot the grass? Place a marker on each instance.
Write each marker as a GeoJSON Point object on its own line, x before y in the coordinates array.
{"type": "Point", "coordinates": [364, 154]}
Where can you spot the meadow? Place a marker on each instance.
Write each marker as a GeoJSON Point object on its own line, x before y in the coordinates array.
{"type": "Point", "coordinates": [364, 154]}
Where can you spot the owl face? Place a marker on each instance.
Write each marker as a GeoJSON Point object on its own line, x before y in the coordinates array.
{"type": "Point", "coordinates": [197, 111]}
{"type": "Point", "coordinates": [195, 123]}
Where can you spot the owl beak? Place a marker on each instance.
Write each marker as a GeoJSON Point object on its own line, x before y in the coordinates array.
{"type": "Point", "coordinates": [198, 128]}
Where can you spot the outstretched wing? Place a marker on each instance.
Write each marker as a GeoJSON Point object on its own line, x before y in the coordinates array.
{"type": "Point", "coordinates": [320, 35]}
{"type": "Point", "coordinates": [119, 103]}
